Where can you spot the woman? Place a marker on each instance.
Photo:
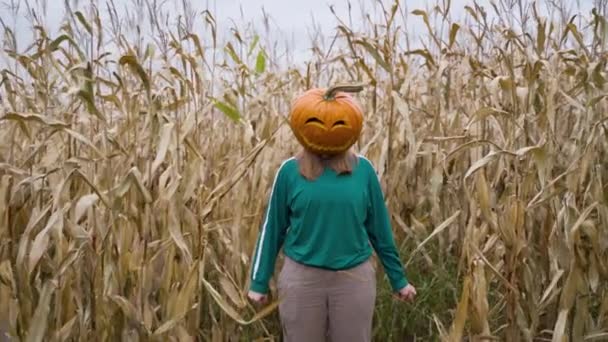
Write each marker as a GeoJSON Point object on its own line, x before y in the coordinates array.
{"type": "Point", "coordinates": [327, 211]}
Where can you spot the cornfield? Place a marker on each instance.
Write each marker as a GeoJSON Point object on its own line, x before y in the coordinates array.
{"type": "Point", "coordinates": [134, 169]}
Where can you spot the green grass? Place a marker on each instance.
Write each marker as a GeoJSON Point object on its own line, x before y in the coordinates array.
{"type": "Point", "coordinates": [437, 289]}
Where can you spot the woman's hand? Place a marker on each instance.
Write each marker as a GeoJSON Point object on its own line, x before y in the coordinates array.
{"type": "Point", "coordinates": [407, 293]}
{"type": "Point", "coordinates": [257, 298]}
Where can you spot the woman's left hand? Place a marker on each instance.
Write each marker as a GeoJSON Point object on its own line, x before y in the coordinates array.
{"type": "Point", "coordinates": [407, 293]}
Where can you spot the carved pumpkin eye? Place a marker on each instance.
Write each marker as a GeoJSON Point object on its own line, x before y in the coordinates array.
{"type": "Point", "coordinates": [312, 120]}
{"type": "Point", "coordinates": [339, 123]}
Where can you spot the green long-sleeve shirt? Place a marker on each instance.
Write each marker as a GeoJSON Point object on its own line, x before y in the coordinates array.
{"type": "Point", "coordinates": [327, 223]}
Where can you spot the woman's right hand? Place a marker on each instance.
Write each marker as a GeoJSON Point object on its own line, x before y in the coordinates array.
{"type": "Point", "coordinates": [257, 298]}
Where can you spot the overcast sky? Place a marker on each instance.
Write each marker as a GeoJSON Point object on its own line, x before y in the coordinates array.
{"type": "Point", "coordinates": [292, 19]}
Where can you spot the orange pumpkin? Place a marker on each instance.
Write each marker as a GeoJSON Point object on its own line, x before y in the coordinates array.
{"type": "Point", "coordinates": [327, 121]}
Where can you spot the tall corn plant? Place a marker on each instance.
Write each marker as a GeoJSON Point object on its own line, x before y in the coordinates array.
{"type": "Point", "coordinates": [132, 167]}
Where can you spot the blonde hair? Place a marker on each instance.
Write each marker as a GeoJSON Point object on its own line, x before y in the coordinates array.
{"type": "Point", "coordinates": [311, 165]}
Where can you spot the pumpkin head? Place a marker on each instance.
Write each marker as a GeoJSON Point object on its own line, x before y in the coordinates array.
{"type": "Point", "coordinates": [327, 121]}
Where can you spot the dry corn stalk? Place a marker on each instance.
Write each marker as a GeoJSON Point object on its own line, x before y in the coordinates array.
{"type": "Point", "coordinates": [133, 170]}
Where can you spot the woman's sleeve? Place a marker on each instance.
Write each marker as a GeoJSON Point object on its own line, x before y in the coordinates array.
{"type": "Point", "coordinates": [272, 234]}
{"type": "Point", "coordinates": [381, 235]}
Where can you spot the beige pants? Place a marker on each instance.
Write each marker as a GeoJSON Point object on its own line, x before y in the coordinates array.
{"type": "Point", "coordinates": [321, 305]}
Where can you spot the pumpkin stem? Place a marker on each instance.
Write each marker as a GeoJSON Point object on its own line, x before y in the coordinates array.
{"type": "Point", "coordinates": [349, 88]}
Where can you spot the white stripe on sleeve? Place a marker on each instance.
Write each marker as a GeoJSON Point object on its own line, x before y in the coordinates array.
{"type": "Point", "coordinates": [263, 234]}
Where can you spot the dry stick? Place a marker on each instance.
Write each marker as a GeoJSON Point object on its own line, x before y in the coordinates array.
{"type": "Point", "coordinates": [493, 269]}
{"type": "Point", "coordinates": [13, 258]}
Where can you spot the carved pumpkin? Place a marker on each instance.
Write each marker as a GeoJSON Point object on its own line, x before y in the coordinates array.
{"type": "Point", "coordinates": [327, 121]}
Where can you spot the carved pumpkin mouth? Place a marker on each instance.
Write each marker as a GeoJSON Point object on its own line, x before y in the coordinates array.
{"type": "Point", "coordinates": [328, 148]}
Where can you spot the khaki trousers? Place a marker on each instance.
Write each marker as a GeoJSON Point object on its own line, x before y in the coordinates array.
{"type": "Point", "coordinates": [320, 305]}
